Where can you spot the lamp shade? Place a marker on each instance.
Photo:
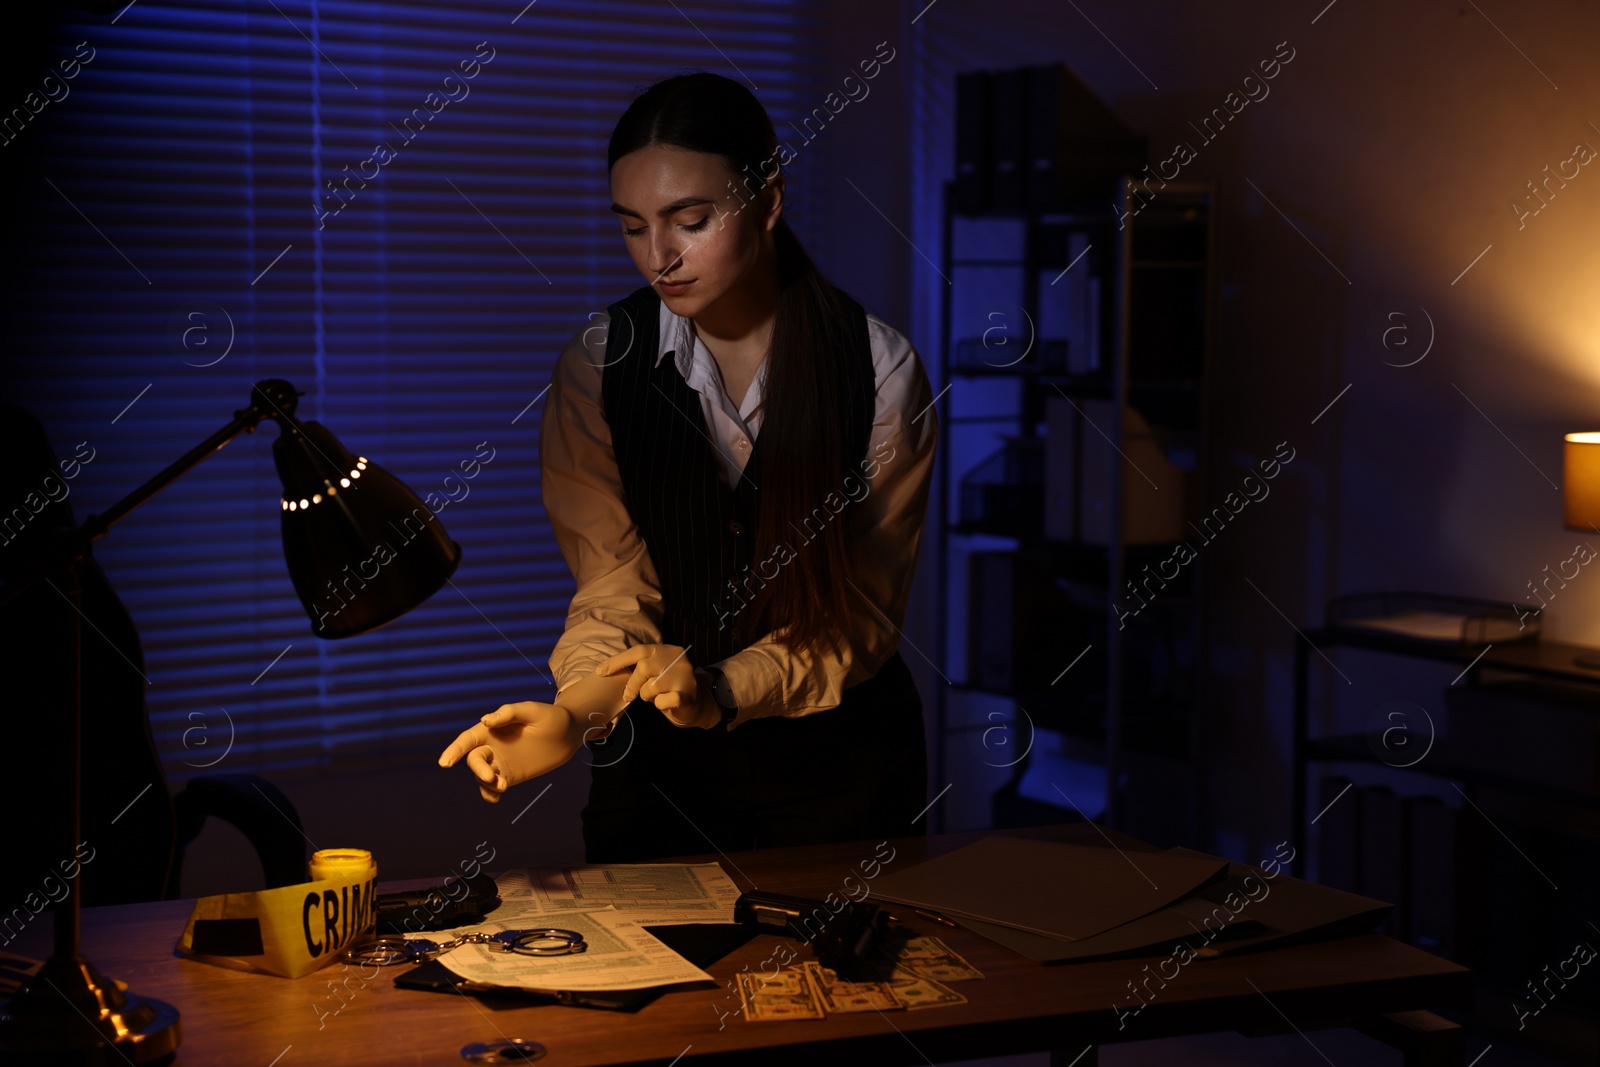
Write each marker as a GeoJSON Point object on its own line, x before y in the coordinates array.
{"type": "Point", "coordinates": [1580, 480]}
{"type": "Point", "coordinates": [362, 548]}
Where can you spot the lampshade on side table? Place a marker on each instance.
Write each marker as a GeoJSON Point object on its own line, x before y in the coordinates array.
{"type": "Point", "coordinates": [1580, 481]}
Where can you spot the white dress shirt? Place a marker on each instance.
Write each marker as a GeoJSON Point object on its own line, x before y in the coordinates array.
{"type": "Point", "coordinates": [618, 600]}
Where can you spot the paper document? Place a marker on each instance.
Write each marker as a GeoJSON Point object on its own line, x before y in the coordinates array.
{"type": "Point", "coordinates": [1247, 910]}
{"type": "Point", "coordinates": [1427, 625]}
{"type": "Point", "coordinates": [1448, 628]}
{"type": "Point", "coordinates": [1063, 891]}
{"type": "Point", "coordinates": [657, 894]}
{"type": "Point", "coordinates": [620, 955]}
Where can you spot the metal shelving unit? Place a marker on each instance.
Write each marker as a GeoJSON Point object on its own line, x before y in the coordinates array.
{"type": "Point", "coordinates": [1138, 335]}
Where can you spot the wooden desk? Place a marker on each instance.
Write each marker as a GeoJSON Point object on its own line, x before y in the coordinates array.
{"type": "Point", "coordinates": [1021, 1006]}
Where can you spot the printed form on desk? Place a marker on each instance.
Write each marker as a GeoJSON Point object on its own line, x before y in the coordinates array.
{"type": "Point", "coordinates": [610, 905]}
{"type": "Point", "coordinates": [620, 955]}
{"type": "Point", "coordinates": [654, 894]}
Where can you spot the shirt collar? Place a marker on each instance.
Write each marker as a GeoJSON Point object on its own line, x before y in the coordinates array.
{"type": "Point", "coordinates": [673, 336]}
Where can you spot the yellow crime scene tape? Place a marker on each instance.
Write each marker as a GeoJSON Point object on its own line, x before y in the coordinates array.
{"type": "Point", "coordinates": [292, 930]}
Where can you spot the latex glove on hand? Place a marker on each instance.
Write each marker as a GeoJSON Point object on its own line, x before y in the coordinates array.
{"type": "Point", "coordinates": [516, 742]}
{"type": "Point", "coordinates": [663, 675]}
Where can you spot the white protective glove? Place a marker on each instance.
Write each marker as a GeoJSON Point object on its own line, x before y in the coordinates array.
{"type": "Point", "coordinates": [516, 742]}
{"type": "Point", "coordinates": [663, 675]}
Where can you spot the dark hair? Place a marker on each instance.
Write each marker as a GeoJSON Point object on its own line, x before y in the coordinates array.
{"type": "Point", "coordinates": [807, 414]}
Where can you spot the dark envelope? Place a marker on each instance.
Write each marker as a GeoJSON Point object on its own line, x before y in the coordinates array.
{"type": "Point", "coordinates": [1060, 891]}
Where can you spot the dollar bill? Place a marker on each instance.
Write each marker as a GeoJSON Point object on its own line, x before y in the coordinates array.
{"type": "Point", "coordinates": [840, 997]}
{"type": "Point", "coordinates": [776, 997]}
{"type": "Point", "coordinates": [932, 958]}
{"type": "Point", "coordinates": [919, 991]}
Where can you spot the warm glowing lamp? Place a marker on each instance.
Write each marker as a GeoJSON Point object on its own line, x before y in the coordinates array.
{"type": "Point", "coordinates": [1581, 481]}
{"type": "Point", "coordinates": [336, 506]}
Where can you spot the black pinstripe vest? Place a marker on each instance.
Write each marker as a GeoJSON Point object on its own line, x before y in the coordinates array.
{"type": "Point", "coordinates": [700, 534]}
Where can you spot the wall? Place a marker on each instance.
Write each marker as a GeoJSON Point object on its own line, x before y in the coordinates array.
{"type": "Point", "coordinates": [1384, 160]}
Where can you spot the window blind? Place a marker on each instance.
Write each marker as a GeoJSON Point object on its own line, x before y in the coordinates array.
{"type": "Point", "coordinates": [401, 208]}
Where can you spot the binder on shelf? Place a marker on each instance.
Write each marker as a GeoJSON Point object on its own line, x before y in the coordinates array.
{"type": "Point", "coordinates": [972, 140]}
{"type": "Point", "coordinates": [1077, 146]}
{"type": "Point", "coordinates": [1433, 875]}
{"type": "Point", "coordinates": [1037, 137]}
{"type": "Point", "coordinates": [1476, 840]}
{"type": "Point", "coordinates": [1339, 835]}
{"type": "Point", "coordinates": [1383, 852]}
{"type": "Point", "coordinates": [1008, 145]}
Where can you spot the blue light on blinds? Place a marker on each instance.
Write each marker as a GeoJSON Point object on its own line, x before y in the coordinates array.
{"type": "Point", "coordinates": [174, 212]}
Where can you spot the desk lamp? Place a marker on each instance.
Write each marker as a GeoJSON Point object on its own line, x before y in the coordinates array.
{"type": "Point", "coordinates": [362, 550]}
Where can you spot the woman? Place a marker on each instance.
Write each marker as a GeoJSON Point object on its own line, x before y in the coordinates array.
{"type": "Point", "coordinates": [736, 463]}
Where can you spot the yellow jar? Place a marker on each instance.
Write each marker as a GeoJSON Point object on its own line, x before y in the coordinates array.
{"type": "Point", "coordinates": [353, 865]}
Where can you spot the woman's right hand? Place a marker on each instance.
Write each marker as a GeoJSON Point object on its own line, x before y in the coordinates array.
{"type": "Point", "coordinates": [515, 742]}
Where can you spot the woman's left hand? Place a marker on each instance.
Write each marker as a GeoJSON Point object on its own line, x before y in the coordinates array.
{"type": "Point", "coordinates": [663, 675]}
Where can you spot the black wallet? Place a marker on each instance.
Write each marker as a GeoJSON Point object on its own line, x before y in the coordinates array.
{"type": "Point", "coordinates": [702, 944]}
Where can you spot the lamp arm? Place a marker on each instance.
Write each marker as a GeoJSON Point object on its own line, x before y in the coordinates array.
{"type": "Point", "coordinates": [270, 399]}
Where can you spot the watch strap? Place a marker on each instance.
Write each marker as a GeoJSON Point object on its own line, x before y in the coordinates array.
{"type": "Point", "coordinates": [722, 694]}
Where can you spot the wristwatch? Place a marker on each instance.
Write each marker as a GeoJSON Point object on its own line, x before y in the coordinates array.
{"type": "Point", "coordinates": [721, 693]}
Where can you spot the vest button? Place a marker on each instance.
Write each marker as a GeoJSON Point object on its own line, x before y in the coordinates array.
{"type": "Point", "coordinates": [735, 528]}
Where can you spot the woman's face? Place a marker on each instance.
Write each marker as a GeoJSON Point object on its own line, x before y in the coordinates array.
{"type": "Point", "coordinates": [693, 229]}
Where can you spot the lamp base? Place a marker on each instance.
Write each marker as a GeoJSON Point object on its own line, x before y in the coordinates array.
{"type": "Point", "coordinates": [70, 1013]}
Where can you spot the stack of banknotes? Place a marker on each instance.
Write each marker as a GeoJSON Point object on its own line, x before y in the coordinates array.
{"type": "Point", "coordinates": [908, 976]}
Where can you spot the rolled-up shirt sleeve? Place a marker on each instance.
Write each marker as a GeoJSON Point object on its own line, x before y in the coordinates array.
{"type": "Point", "coordinates": [887, 502]}
{"type": "Point", "coordinates": [617, 603]}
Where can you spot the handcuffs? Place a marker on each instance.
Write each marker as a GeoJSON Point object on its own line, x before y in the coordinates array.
{"type": "Point", "coordinates": [538, 941]}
